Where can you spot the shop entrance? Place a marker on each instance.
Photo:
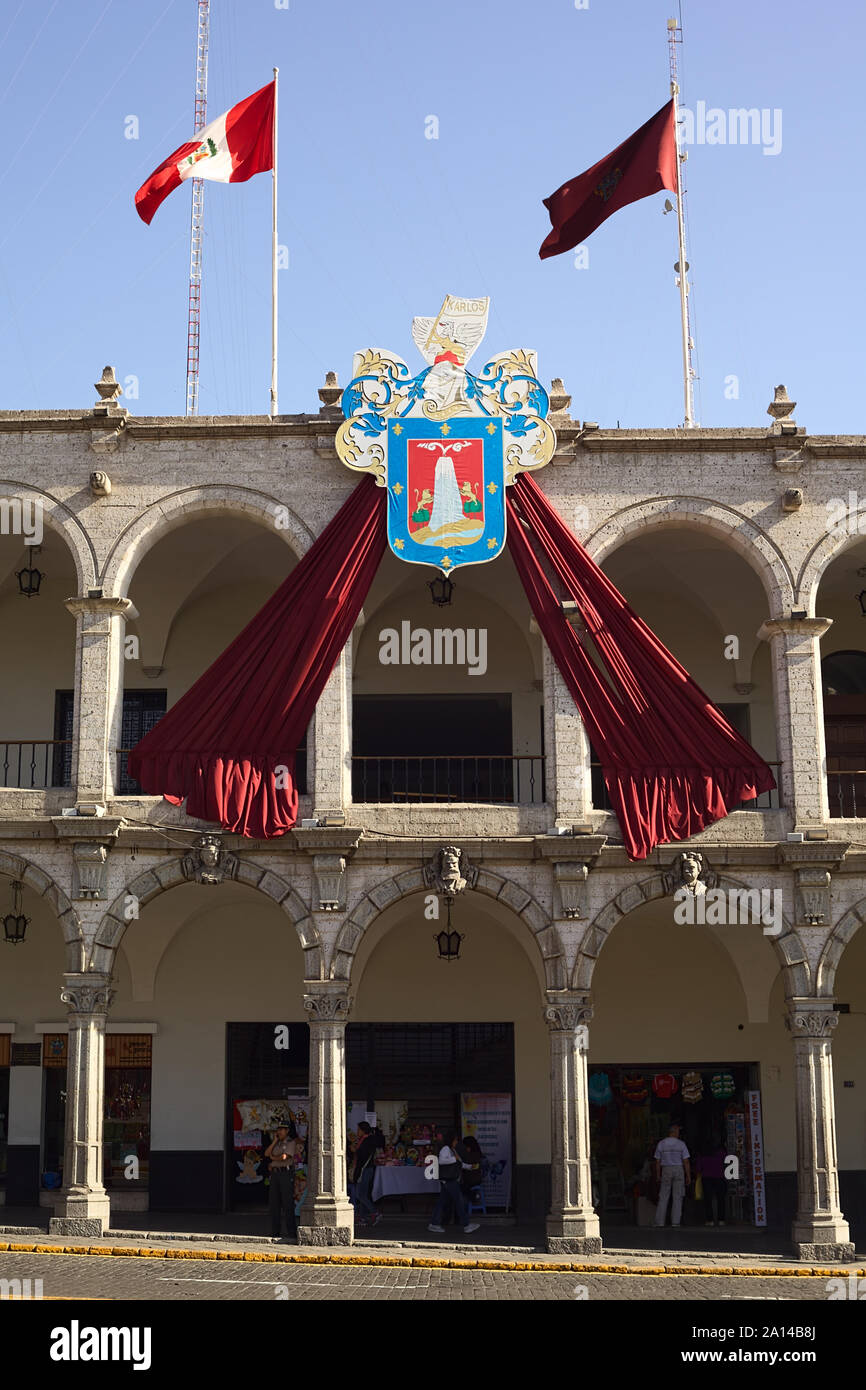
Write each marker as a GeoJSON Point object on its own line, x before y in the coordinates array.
{"type": "Point", "coordinates": [415, 1077]}
{"type": "Point", "coordinates": [631, 1108]}
{"type": "Point", "coordinates": [267, 1078]}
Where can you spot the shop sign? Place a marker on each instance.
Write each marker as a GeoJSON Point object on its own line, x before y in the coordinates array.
{"type": "Point", "coordinates": [488, 1117]}
{"type": "Point", "coordinates": [756, 1156]}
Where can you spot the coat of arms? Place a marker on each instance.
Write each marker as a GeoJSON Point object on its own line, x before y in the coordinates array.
{"type": "Point", "coordinates": [446, 443]}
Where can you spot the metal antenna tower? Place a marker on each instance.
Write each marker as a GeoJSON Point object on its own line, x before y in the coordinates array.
{"type": "Point", "coordinates": [196, 225]}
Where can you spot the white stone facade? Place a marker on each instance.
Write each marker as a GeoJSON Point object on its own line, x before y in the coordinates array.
{"type": "Point", "coordinates": [699, 530]}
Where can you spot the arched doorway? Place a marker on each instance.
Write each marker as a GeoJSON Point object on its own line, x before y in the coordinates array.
{"type": "Point", "coordinates": [666, 1046]}
{"type": "Point", "coordinates": [454, 1043]}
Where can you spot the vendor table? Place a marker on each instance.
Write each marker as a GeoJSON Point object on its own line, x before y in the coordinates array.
{"type": "Point", "coordinates": [396, 1182]}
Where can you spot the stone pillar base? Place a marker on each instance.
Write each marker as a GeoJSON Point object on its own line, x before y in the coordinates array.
{"type": "Point", "coordinates": [328, 1223]}
{"type": "Point", "coordinates": [88, 1214]}
{"type": "Point", "coordinates": [825, 1254]}
{"type": "Point", "coordinates": [325, 1235]}
{"type": "Point", "coordinates": [822, 1241]}
{"type": "Point", "coordinates": [574, 1235]}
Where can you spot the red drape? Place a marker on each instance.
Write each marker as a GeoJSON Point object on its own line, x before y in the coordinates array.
{"type": "Point", "coordinates": [672, 763]}
{"type": "Point", "coordinates": [218, 747]}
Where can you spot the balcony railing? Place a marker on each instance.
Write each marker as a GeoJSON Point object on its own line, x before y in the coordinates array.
{"type": "Point", "coordinates": [512, 780]}
{"type": "Point", "coordinates": [846, 792]}
{"type": "Point", "coordinates": [127, 786]}
{"type": "Point", "coordinates": [767, 801]}
{"type": "Point", "coordinates": [36, 764]}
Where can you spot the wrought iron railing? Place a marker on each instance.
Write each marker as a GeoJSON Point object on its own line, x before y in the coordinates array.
{"type": "Point", "coordinates": [36, 764]}
{"type": "Point", "coordinates": [512, 780]}
{"type": "Point", "coordinates": [846, 792]}
{"type": "Point", "coordinates": [127, 786]}
{"type": "Point", "coordinates": [767, 801]}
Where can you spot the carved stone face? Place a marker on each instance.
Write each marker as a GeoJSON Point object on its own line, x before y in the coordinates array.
{"type": "Point", "coordinates": [450, 863]}
{"type": "Point", "coordinates": [209, 854]}
{"type": "Point", "coordinates": [690, 869]}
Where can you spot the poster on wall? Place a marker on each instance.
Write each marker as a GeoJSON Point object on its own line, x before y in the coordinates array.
{"type": "Point", "coordinates": [756, 1156]}
{"type": "Point", "coordinates": [487, 1116]}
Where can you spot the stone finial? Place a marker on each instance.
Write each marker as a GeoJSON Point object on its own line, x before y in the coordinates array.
{"type": "Point", "coordinates": [330, 393]}
{"type": "Point", "coordinates": [560, 400]}
{"type": "Point", "coordinates": [108, 387]}
{"type": "Point", "coordinates": [781, 405]}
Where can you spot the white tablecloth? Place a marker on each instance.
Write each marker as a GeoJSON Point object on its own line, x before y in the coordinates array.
{"type": "Point", "coordinates": [395, 1182]}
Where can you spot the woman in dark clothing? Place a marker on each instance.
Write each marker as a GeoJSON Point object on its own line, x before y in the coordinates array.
{"type": "Point", "coordinates": [471, 1177]}
{"type": "Point", "coordinates": [711, 1166]}
{"type": "Point", "coordinates": [364, 1172]}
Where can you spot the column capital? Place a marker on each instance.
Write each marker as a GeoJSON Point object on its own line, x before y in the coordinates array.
{"type": "Point", "coordinates": [811, 1018]}
{"type": "Point", "coordinates": [87, 994]}
{"type": "Point", "coordinates": [565, 1013]}
{"type": "Point", "coordinates": [327, 1006]}
{"type": "Point", "coordinates": [793, 627]}
{"type": "Point", "coordinates": [101, 603]}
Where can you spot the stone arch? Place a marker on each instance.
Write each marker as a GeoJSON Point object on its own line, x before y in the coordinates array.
{"type": "Point", "coordinates": [788, 946]}
{"type": "Point", "coordinates": [816, 564]}
{"type": "Point", "coordinates": [702, 513]}
{"type": "Point", "coordinates": [149, 884]}
{"type": "Point", "coordinates": [404, 885]}
{"type": "Point", "coordinates": [845, 928]}
{"type": "Point", "coordinates": [167, 513]}
{"type": "Point", "coordinates": [65, 524]}
{"type": "Point", "coordinates": [43, 884]}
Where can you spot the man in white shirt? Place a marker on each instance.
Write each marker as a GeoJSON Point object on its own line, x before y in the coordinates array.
{"type": "Point", "coordinates": [673, 1172]}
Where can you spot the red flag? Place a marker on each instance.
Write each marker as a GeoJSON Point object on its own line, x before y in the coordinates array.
{"type": "Point", "coordinates": [643, 164]}
{"type": "Point", "coordinates": [238, 144]}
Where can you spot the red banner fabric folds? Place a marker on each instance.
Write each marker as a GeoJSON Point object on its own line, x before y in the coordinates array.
{"type": "Point", "coordinates": [222, 745]}
{"type": "Point", "coordinates": [672, 764]}
{"type": "Point", "coordinates": [643, 164]}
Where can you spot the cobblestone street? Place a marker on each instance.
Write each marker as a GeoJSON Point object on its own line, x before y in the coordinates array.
{"type": "Point", "coordinates": [117, 1277]}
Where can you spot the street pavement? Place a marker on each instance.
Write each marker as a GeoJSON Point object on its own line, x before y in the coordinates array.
{"type": "Point", "coordinates": [193, 1280]}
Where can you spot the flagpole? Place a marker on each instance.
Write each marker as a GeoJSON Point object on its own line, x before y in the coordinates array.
{"type": "Point", "coordinates": [689, 420]}
{"type": "Point", "coordinates": [274, 266]}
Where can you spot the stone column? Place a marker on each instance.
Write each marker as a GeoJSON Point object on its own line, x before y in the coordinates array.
{"type": "Point", "coordinates": [572, 1226]}
{"type": "Point", "coordinates": [796, 661]}
{"type": "Point", "coordinates": [820, 1231]}
{"type": "Point", "coordinates": [98, 696]}
{"type": "Point", "coordinates": [569, 780]}
{"type": "Point", "coordinates": [82, 1208]}
{"type": "Point", "coordinates": [330, 729]}
{"type": "Point", "coordinates": [326, 1216]}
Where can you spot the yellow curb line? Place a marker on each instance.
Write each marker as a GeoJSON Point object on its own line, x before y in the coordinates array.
{"type": "Point", "coordinates": [431, 1262]}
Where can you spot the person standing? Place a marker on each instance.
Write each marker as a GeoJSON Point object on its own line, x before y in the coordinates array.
{"type": "Point", "coordinates": [711, 1166]}
{"type": "Point", "coordinates": [673, 1173]}
{"type": "Point", "coordinates": [451, 1166]}
{"type": "Point", "coordinates": [282, 1151]}
{"type": "Point", "coordinates": [471, 1177]}
{"type": "Point", "coordinates": [363, 1174]}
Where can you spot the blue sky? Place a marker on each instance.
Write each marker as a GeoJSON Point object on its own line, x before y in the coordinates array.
{"type": "Point", "coordinates": [380, 222]}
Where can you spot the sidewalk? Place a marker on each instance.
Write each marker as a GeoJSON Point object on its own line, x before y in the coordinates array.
{"type": "Point", "coordinates": [627, 1250]}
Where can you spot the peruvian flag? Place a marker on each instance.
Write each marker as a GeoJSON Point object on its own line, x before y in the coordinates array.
{"type": "Point", "coordinates": [231, 149]}
{"type": "Point", "coordinates": [643, 164]}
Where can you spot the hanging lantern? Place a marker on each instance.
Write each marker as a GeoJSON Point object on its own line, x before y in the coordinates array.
{"type": "Point", "coordinates": [441, 589]}
{"type": "Point", "coordinates": [15, 924]}
{"type": "Point", "coordinates": [448, 941]}
{"type": "Point", "coordinates": [29, 578]}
